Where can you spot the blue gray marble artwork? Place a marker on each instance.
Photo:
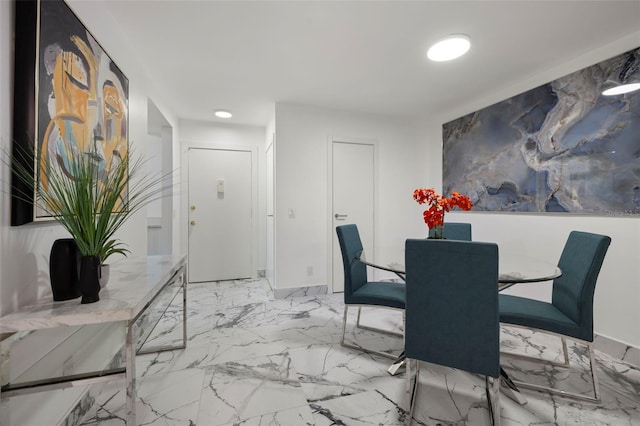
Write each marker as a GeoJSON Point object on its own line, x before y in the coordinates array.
{"type": "Point", "coordinates": [560, 147]}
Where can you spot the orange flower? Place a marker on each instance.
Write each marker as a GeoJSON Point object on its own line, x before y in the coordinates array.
{"type": "Point", "coordinates": [438, 205]}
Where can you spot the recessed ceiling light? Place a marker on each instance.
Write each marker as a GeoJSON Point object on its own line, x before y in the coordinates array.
{"type": "Point", "coordinates": [223, 114]}
{"type": "Point", "coordinates": [449, 48]}
{"type": "Point", "coordinates": [621, 89]}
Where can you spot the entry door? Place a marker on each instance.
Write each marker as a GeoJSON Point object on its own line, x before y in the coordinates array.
{"type": "Point", "coordinates": [219, 214]}
{"type": "Point", "coordinates": [353, 198]}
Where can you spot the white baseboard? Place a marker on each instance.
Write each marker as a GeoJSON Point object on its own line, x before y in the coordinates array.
{"type": "Point", "coordinates": [618, 350]}
{"type": "Point", "coordinates": [283, 293]}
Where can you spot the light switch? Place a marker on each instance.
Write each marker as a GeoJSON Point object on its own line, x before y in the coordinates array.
{"type": "Point", "coordinates": [292, 213]}
{"type": "Point", "coordinates": [220, 185]}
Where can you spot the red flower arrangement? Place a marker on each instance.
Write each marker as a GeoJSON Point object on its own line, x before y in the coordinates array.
{"type": "Point", "coordinates": [438, 206]}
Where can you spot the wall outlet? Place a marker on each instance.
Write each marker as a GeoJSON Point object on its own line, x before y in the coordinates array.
{"type": "Point", "coordinates": [309, 271]}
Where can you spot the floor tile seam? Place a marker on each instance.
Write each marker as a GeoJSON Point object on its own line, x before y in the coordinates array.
{"type": "Point", "coordinates": [334, 397]}
{"type": "Point", "coordinates": [209, 364]}
{"type": "Point", "coordinates": [294, 407]}
{"type": "Point", "coordinates": [214, 366]}
{"type": "Point", "coordinates": [270, 331]}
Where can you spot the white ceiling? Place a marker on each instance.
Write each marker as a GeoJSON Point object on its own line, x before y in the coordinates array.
{"type": "Point", "coordinates": [367, 56]}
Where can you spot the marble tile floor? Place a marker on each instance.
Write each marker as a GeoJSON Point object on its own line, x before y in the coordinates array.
{"type": "Point", "coordinates": [253, 360]}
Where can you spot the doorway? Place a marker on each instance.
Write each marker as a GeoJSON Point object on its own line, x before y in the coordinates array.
{"type": "Point", "coordinates": [352, 197]}
{"type": "Point", "coordinates": [160, 163]}
{"type": "Point", "coordinates": [220, 214]}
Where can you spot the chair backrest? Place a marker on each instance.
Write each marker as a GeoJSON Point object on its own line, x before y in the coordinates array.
{"type": "Point", "coordinates": [452, 316]}
{"type": "Point", "coordinates": [580, 263]}
{"type": "Point", "coordinates": [455, 231]}
{"type": "Point", "coordinates": [355, 272]}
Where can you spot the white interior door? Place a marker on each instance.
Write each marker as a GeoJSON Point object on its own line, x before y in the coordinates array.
{"type": "Point", "coordinates": [219, 214]}
{"type": "Point", "coordinates": [353, 197]}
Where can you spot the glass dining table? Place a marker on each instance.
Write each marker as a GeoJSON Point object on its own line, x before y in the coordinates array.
{"type": "Point", "coordinates": [512, 269]}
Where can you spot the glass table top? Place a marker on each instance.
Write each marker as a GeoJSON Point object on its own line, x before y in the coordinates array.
{"type": "Point", "coordinates": [512, 268]}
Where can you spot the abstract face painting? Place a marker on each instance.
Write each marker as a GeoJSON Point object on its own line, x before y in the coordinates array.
{"type": "Point", "coordinates": [82, 97]}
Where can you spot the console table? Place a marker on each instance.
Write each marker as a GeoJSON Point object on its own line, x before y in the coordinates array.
{"type": "Point", "coordinates": [134, 285]}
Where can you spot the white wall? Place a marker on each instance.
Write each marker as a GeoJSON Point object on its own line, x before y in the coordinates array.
{"type": "Point", "coordinates": [617, 298]}
{"type": "Point", "coordinates": [199, 134]}
{"type": "Point", "coordinates": [24, 250]}
{"type": "Point", "coordinates": [301, 180]}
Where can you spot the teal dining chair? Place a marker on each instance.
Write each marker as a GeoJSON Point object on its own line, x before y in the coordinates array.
{"type": "Point", "coordinates": [360, 292]}
{"type": "Point", "coordinates": [455, 231]}
{"type": "Point", "coordinates": [570, 312]}
{"type": "Point", "coordinates": [452, 311]}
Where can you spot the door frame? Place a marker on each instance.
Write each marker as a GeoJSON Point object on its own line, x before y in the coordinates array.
{"type": "Point", "coordinates": [270, 195]}
{"type": "Point", "coordinates": [254, 193]}
{"type": "Point", "coordinates": [331, 234]}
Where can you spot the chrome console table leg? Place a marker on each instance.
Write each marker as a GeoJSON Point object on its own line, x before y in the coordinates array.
{"type": "Point", "coordinates": [184, 307]}
{"type": "Point", "coordinates": [130, 350]}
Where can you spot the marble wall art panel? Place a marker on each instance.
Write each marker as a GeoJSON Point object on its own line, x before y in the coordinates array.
{"type": "Point", "coordinates": [560, 147]}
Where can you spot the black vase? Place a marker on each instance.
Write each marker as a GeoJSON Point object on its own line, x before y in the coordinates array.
{"type": "Point", "coordinates": [89, 279]}
{"type": "Point", "coordinates": [63, 269]}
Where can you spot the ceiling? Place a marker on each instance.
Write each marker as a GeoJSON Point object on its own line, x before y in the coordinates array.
{"type": "Point", "coordinates": [368, 56]}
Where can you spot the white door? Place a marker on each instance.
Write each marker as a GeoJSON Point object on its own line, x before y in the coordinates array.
{"type": "Point", "coordinates": [219, 214]}
{"type": "Point", "coordinates": [353, 197]}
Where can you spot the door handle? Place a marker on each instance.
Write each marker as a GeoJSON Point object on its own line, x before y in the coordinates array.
{"type": "Point", "coordinates": [341, 216]}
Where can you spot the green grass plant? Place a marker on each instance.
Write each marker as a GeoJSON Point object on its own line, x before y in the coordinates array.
{"type": "Point", "coordinates": [93, 202]}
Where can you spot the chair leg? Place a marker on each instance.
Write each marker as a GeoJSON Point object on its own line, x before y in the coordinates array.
{"type": "Point", "coordinates": [376, 329]}
{"type": "Point", "coordinates": [565, 351]}
{"type": "Point", "coordinates": [565, 354]}
{"type": "Point", "coordinates": [594, 376]}
{"type": "Point", "coordinates": [493, 398]}
{"type": "Point", "coordinates": [344, 324]}
{"type": "Point", "coordinates": [596, 386]}
{"type": "Point", "coordinates": [407, 373]}
{"type": "Point", "coordinates": [414, 391]}
{"type": "Point", "coordinates": [346, 344]}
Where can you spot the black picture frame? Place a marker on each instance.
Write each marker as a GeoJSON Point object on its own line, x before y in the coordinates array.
{"type": "Point", "coordinates": [66, 88]}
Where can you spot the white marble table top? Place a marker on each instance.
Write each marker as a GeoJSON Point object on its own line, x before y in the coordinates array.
{"type": "Point", "coordinates": [133, 282]}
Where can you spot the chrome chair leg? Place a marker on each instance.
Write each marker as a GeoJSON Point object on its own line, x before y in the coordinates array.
{"type": "Point", "coordinates": [414, 390]}
{"type": "Point", "coordinates": [344, 324]}
{"type": "Point", "coordinates": [376, 329]}
{"type": "Point", "coordinates": [350, 345]}
{"type": "Point", "coordinates": [493, 399]}
{"type": "Point", "coordinates": [407, 364]}
{"type": "Point", "coordinates": [565, 351]}
{"type": "Point", "coordinates": [594, 377]}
